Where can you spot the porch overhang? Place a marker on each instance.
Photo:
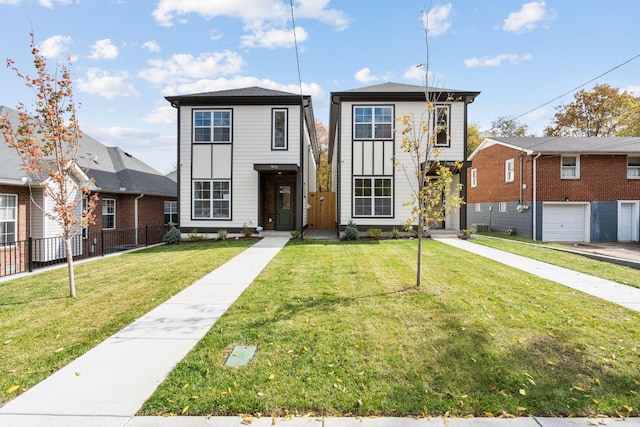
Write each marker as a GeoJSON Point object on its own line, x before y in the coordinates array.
{"type": "Point", "coordinates": [275, 167]}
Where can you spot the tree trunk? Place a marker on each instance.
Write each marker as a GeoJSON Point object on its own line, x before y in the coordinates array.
{"type": "Point", "coordinates": [420, 233]}
{"type": "Point", "coordinates": [72, 279]}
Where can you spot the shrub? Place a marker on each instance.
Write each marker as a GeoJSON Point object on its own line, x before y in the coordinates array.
{"type": "Point", "coordinates": [466, 233]}
{"type": "Point", "coordinates": [195, 237]}
{"type": "Point", "coordinates": [246, 231]}
{"type": "Point", "coordinates": [374, 233]}
{"type": "Point", "coordinates": [172, 236]}
{"type": "Point", "coordinates": [296, 234]}
{"type": "Point", "coordinates": [350, 231]}
{"type": "Point", "coordinates": [222, 234]}
{"type": "Point", "coordinates": [395, 233]}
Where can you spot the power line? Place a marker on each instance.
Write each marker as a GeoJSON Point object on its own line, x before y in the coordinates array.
{"type": "Point", "coordinates": [295, 41]}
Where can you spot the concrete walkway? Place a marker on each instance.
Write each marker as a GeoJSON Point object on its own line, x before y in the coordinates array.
{"type": "Point", "coordinates": [106, 386]}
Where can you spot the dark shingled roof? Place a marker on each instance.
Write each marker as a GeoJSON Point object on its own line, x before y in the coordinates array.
{"type": "Point", "coordinates": [573, 145]}
{"type": "Point", "coordinates": [114, 170]}
{"type": "Point", "coordinates": [244, 96]}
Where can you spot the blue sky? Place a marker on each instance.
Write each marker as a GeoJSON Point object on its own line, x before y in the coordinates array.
{"type": "Point", "coordinates": [127, 55]}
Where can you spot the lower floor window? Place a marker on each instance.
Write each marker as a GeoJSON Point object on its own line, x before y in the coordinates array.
{"type": "Point", "coordinates": [108, 214]}
{"type": "Point", "coordinates": [170, 212]}
{"type": "Point", "coordinates": [8, 218]}
{"type": "Point", "coordinates": [212, 199]}
{"type": "Point", "coordinates": [372, 197]}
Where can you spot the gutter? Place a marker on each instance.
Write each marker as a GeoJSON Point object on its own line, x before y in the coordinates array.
{"type": "Point", "coordinates": [135, 214]}
{"type": "Point", "coordinates": [535, 191]}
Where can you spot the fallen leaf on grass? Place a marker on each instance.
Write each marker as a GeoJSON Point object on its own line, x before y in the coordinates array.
{"type": "Point", "coordinates": [12, 388]}
{"type": "Point", "coordinates": [184, 410]}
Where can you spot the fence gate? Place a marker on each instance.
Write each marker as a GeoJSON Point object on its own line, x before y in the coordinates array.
{"type": "Point", "coordinates": [322, 215]}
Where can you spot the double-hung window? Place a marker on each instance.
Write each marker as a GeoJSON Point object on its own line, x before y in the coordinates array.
{"type": "Point", "coordinates": [8, 219]}
{"type": "Point", "coordinates": [108, 214]}
{"type": "Point", "coordinates": [373, 122]}
{"type": "Point", "coordinates": [570, 168]}
{"type": "Point", "coordinates": [372, 197]}
{"type": "Point", "coordinates": [441, 125]}
{"type": "Point", "coordinates": [633, 167]}
{"type": "Point", "coordinates": [279, 129]}
{"type": "Point", "coordinates": [509, 171]}
{"type": "Point", "coordinates": [212, 126]}
{"type": "Point", "coordinates": [474, 177]}
{"type": "Point", "coordinates": [170, 212]}
{"type": "Point", "coordinates": [212, 199]}
{"type": "Point", "coordinates": [85, 226]}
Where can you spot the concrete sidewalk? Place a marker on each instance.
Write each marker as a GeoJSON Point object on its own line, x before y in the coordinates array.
{"type": "Point", "coordinates": [107, 385]}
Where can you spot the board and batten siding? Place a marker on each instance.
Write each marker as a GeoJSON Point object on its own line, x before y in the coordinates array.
{"type": "Point", "coordinates": [251, 144]}
{"type": "Point", "coordinates": [374, 158]}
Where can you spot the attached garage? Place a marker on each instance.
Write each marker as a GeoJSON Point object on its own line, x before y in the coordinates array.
{"type": "Point", "coordinates": [565, 222]}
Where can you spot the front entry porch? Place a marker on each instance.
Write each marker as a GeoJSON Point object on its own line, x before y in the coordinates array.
{"type": "Point", "coordinates": [277, 207]}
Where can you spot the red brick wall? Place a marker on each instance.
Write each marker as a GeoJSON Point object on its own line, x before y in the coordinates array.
{"type": "Point", "coordinates": [602, 178]}
{"type": "Point", "coordinates": [150, 211]}
{"type": "Point", "coordinates": [23, 208]}
{"type": "Point", "coordinates": [13, 259]}
{"type": "Point", "coordinates": [490, 166]}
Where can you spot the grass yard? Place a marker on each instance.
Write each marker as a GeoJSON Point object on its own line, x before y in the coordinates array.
{"type": "Point", "coordinates": [41, 329]}
{"type": "Point", "coordinates": [535, 250]}
{"type": "Point", "coordinates": [341, 331]}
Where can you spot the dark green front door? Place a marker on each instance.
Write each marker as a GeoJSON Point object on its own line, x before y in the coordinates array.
{"type": "Point", "coordinates": [284, 207]}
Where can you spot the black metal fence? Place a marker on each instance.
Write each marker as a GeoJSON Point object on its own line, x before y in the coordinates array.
{"type": "Point", "coordinates": [30, 254]}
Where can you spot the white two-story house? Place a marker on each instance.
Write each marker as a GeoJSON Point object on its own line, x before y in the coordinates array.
{"type": "Point", "coordinates": [363, 143]}
{"type": "Point", "coordinates": [246, 158]}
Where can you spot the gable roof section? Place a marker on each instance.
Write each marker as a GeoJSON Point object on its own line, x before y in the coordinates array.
{"type": "Point", "coordinates": [114, 170]}
{"type": "Point", "coordinates": [534, 145]}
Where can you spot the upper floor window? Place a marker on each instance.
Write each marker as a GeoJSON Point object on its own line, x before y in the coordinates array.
{"type": "Point", "coordinates": [373, 123]}
{"type": "Point", "coordinates": [279, 129]}
{"type": "Point", "coordinates": [633, 167]}
{"type": "Point", "coordinates": [108, 214]}
{"type": "Point", "coordinates": [212, 199]}
{"type": "Point", "coordinates": [570, 168]}
{"type": "Point", "coordinates": [212, 126]}
{"type": "Point", "coordinates": [8, 219]}
{"type": "Point", "coordinates": [474, 177]}
{"type": "Point", "coordinates": [441, 125]}
{"type": "Point", "coordinates": [509, 171]}
{"type": "Point", "coordinates": [170, 212]}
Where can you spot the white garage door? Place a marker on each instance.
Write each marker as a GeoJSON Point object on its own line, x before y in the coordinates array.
{"type": "Point", "coordinates": [563, 223]}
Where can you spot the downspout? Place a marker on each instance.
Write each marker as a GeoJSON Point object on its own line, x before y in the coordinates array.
{"type": "Point", "coordinates": [535, 190]}
{"type": "Point", "coordinates": [135, 215]}
{"type": "Point", "coordinates": [300, 176]}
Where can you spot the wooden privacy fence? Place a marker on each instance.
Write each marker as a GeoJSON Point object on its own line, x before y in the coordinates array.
{"type": "Point", "coordinates": [322, 215]}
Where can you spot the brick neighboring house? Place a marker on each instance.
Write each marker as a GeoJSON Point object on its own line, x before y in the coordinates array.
{"type": "Point", "coordinates": [557, 188]}
{"type": "Point", "coordinates": [132, 194]}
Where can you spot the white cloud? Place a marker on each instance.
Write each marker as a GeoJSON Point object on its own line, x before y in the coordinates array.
{"type": "Point", "coordinates": [122, 133]}
{"type": "Point", "coordinates": [54, 46]}
{"type": "Point", "coordinates": [633, 90]}
{"type": "Point", "coordinates": [100, 82]}
{"type": "Point", "coordinates": [497, 61]}
{"type": "Point", "coordinates": [274, 38]}
{"type": "Point", "coordinates": [364, 76]}
{"type": "Point", "coordinates": [49, 3]}
{"type": "Point", "coordinates": [152, 45]}
{"type": "Point", "coordinates": [164, 114]}
{"type": "Point", "coordinates": [316, 9]}
{"type": "Point", "coordinates": [437, 20]}
{"type": "Point", "coordinates": [528, 17]}
{"type": "Point", "coordinates": [10, 1]}
{"type": "Point", "coordinates": [103, 49]}
{"type": "Point", "coordinates": [414, 73]}
{"type": "Point", "coordinates": [181, 67]}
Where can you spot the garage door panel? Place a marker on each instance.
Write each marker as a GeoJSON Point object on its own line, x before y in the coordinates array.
{"type": "Point", "coordinates": [563, 223]}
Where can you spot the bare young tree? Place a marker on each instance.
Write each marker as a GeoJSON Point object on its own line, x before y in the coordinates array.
{"type": "Point", "coordinates": [47, 142]}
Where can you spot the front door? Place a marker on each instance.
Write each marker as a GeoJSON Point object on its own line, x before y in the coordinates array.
{"type": "Point", "coordinates": [284, 207]}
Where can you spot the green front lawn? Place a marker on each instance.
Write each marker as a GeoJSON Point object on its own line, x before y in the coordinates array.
{"type": "Point", "coordinates": [340, 330]}
{"type": "Point", "coordinates": [41, 329]}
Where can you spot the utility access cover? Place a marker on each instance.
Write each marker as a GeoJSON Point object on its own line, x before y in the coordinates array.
{"type": "Point", "coordinates": [241, 355]}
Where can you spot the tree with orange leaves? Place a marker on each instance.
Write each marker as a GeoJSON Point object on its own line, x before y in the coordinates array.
{"type": "Point", "coordinates": [47, 142]}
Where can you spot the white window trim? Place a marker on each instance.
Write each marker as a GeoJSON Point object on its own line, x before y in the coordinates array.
{"type": "Point", "coordinates": [109, 214]}
{"type": "Point", "coordinates": [477, 207]}
{"type": "Point", "coordinates": [509, 170]}
{"type": "Point", "coordinates": [286, 129]}
{"type": "Point", "coordinates": [14, 221]}
{"type": "Point", "coordinates": [85, 228]}
{"type": "Point", "coordinates": [474, 178]}
{"type": "Point", "coordinates": [211, 200]}
{"type": "Point", "coordinates": [437, 128]}
{"type": "Point", "coordinates": [173, 210]}
{"type": "Point", "coordinates": [635, 170]}
{"type": "Point", "coordinates": [212, 127]}
{"type": "Point", "coordinates": [576, 169]}
{"type": "Point", "coordinates": [373, 123]}
{"type": "Point", "coordinates": [373, 197]}
{"type": "Point", "coordinates": [502, 206]}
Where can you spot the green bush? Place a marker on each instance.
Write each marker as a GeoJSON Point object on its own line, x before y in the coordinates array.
{"type": "Point", "coordinates": [350, 231]}
{"type": "Point", "coordinates": [172, 236]}
{"type": "Point", "coordinates": [296, 234]}
{"type": "Point", "coordinates": [222, 234]}
{"type": "Point", "coordinates": [374, 233]}
{"type": "Point", "coordinates": [195, 237]}
{"type": "Point", "coordinates": [395, 233]}
{"type": "Point", "coordinates": [246, 231]}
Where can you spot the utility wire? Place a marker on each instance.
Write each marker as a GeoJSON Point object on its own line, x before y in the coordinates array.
{"type": "Point", "coordinates": [295, 41]}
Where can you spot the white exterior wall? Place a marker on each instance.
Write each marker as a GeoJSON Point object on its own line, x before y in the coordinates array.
{"type": "Point", "coordinates": [402, 188]}
{"type": "Point", "coordinates": [251, 144]}
{"type": "Point", "coordinates": [310, 175]}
